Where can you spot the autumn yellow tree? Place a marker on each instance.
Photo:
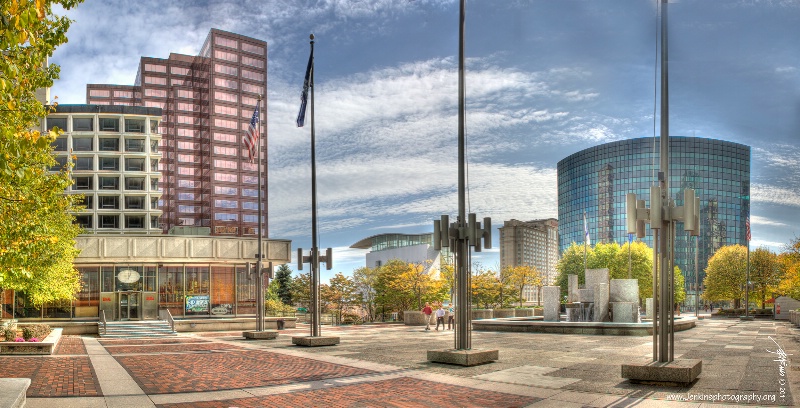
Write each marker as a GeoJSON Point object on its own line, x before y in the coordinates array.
{"type": "Point", "coordinates": [766, 272]}
{"type": "Point", "coordinates": [523, 275]}
{"type": "Point", "coordinates": [725, 275]}
{"type": "Point", "coordinates": [37, 240]}
{"type": "Point", "coordinates": [790, 262]}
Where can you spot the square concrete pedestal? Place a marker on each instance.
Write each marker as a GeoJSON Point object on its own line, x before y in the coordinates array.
{"type": "Point", "coordinates": [261, 335]}
{"type": "Point", "coordinates": [466, 358]}
{"type": "Point", "coordinates": [315, 341]}
{"type": "Point", "coordinates": [675, 373]}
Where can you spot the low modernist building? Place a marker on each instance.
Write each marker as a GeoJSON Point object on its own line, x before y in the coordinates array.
{"type": "Point", "coordinates": [411, 248]}
{"type": "Point", "coordinates": [595, 181]}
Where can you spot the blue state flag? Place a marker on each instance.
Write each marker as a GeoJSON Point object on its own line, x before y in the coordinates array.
{"type": "Point", "coordinates": [301, 116]}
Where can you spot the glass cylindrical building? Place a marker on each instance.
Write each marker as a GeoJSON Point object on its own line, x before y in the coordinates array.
{"type": "Point", "coordinates": [595, 181]}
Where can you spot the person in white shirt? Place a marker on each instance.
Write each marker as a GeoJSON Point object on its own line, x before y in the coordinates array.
{"type": "Point", "coordinates": [440, 317]}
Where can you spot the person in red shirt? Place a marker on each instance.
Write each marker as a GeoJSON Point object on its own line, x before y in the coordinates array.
{"type": "Point", "coordinates": [427, 311]}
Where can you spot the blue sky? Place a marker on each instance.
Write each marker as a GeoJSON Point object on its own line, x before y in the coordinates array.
{"type": "Point", "coordinates": [545, 79]}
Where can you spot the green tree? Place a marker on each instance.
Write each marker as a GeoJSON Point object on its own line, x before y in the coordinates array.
{"type": "Point", "coordinates": [790, 263]}
{"type": "Point", "coordinates": [37, 249]}
{"type": "Point", "coordinates": [365, 280]}
{"type": "Point", "coordinates": [283, 282]}
{"type": "Point", "coordinates": [678, 283]}
{"type": "Point", "coordinates": [571, 263]}
{"type": "Point", "coordinates": [766, 273]}
{"type": "Point", "coordinates": [402, 286]}
{"type": "Point", "coordinates": [507, 291]}
{"type": "Point", "coordinates": [725, 274]}
{"type": "Point", "coordinates": [485, 288]}
{"type": "Point", "coordinates": [641, 257]}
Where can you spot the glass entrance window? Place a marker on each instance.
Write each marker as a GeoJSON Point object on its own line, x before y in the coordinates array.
{"type": "Point", "coordinates": [170, 289]}
{"type": "Point", "coordinates": [128, 278]}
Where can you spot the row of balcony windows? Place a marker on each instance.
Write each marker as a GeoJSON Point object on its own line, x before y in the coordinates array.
{"type": "Point", "coordinates": [114, 221]}
{"type": "Point", "coordinates": [112, 183]}
{"type": "Point", "coordinates": [113, 202]}
{"type": "Point", "coordinates": [103, 124]}
{"type": "Point", "coordinates": [106, 163]}
{"type": "Point", "coordinates": [106, 144]}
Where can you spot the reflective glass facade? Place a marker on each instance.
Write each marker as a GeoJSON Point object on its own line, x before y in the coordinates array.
{"type": "Point", "coordinates": [596, 180]}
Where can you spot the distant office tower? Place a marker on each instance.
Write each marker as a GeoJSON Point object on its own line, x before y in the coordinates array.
{"type": "Point", "coordinates": [531, 243]}
{"type": "Point", "coordinates": [115, 158]}
{"type": "Point", "coordinates": [596, 180]}
{"type": "Point", "coordinates": [207, 101]}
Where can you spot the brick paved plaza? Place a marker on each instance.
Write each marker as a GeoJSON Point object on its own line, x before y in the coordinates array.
{"type": "Point", "coordinates": [385, 365]}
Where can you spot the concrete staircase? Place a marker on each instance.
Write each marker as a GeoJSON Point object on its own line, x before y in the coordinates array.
{"type": "Point", "coordinates": [138, 329]}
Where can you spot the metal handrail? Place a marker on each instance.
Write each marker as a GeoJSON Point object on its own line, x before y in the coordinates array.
{"type": "Point", "coordinates": [170, 319]}
{"type": "Point", "coordinates": [103, 320]}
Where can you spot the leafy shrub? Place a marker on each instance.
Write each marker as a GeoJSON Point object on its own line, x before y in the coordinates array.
{"type": "Point", "coordinates": [27, 332]}
{"type": "Point", "coordinates": [10, 334]}
{"type": "Point", "coordinates": [38, 331]}
{"type": "Point", "coordinates": [277, 308]}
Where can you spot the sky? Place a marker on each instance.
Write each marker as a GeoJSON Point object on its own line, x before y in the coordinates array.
{"type": "Point", "coordinates": [544, 79]}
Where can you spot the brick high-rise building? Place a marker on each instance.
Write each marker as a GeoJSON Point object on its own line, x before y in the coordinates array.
{"type": "Point", "coordinates": [207, 102]}
{"type": "Point", "coordinates": [531, 243]}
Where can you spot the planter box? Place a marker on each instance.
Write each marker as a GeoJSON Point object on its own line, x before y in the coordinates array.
{"type": "Point", "coordinates": [501, 313]}
{"type": "Point", "coordinates": [478, 314]}
{"type": "Point", "coordinates": [415, 318]}
{"type": "Point", "coordinates": [523, 312]}
{"type": "Point", "coordinates": [45, 346]}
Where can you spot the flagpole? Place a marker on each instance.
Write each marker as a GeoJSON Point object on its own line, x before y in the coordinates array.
{"type": "Point", "coordinates": [315, 316]}
{"type": "Point", "coordinates": [259, 275]}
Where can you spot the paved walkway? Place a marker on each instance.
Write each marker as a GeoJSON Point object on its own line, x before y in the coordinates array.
{"type": "Point", "coordinates": [385, 365]}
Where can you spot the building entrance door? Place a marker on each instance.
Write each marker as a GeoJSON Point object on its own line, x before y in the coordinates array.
{"type": "Point", "coordinates": [129, 305]}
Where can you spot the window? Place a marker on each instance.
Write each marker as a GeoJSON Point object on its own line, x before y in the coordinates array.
{"type": "Point", "coordinates": [187, 171]}
{"type": "Point", "coordinates": [224, 137]}
{"type": "Point", "coordinates": [153, 221]}
{"type": "Point", "coordinates": [82, 144]}
{"type": "Point", "coordinates": [82, 124]}
{"type": "Point", "coordinates": [185, 196]}
{"type": "Point", "coordinates": [102, 93]}
{"type": "Point", "coordinates": [250, 205]}
{"type": "Point", "coordinates": [252, 75]}
{"type": "Point", "coordinates": [134, 203]}
{"type": "Point", "coordinates": [180, 71]}
{"type": "Point", "coordinates": [108, 144]}
{"type": "Point", "coordinates": [225, 164]}
{"type": "Point", "coordinates": [226, 110]}
{"type": "Point", "coordinates": [155, 68]}
{"type": "Point", "coordinates": [154, 184]}
{"type": "Point", "coordinates": [252, 88]}
{"type": "Point", "coordinates": [109, 221]}
{"type": "Point", "coordinates": [82, 183]}
{"type": "Point", "coordinates": [153, 165]}
{"type": "Point", "coordinates": [225, 96]}
{"type": "Point", "coordinates": [226, 83]}
{"type": "Point", "coordinates": [225, 190]}
{"type": "Point", "coordinates": [250, 179]}
{"type": "Point", "coordinates": [250, 218]}
{"type": "Point", "coordinates": [226, 177]}
{"type": "Point", "coordinates": [109, 163]}
{"type": "Point", "coordinates": [60, 123]}
{"type": "Point", "coordinates": [226, 69]}
{"type": "Point", "coordinates": [84, 163]}
{"type": "Point", "coordinates": [109, 202]}
{"type": "Point", "coordinates": [188, 183]}
{"type": "Point", "coordinates": [188, 132]}
{"type": "Point", "coordinates": [86, 202]}
{"type": "Point", "coordinates": [249, 101]}
{"type": "Point", "coordinates": [155, 80]}
{"type": "Point", "coordinates": [109, 183]}
{"type": "Point", "coordinates": [252, 48]}
{"type": "Point", "coordinates": [154, 146]}
{"type": "Point", "coordinates": [60, 144]}
{"type": "Point", "coordinates": [160, 93]}
{"type": "Point", "coordinates": [134, 125]}
{"type": "Point", "coordinates": [225, 203]}
{"type": "Point", "coordinates": [182, 93]}
{"type": "Point", "coordinates": [123, 94]}
{"type": "Point", "coordinates": [134, 221]}
{"type": "Point", "coordinates": [134, 183]}
{"type": "Point", "coordinates": [154, 203]}
{"type": "Point", "coordinates": [84, 221]}
{"type": "Point", "coordinates": [188, 145]}
{"type": "Point", "coordinates": [228, 56]}
{"type": "Point", "coordinates": [134, 145]}
{"type": "Point", "coordinates": [154, 104]}
{"type": "Point", "coordinates": [134, 164]}
{"type": "Point", "coordinates": [188, 209]}
{"type": "Point", "coordinates": [249, 192]}
{"type": "Point", "coordinates": [109, 124]}
{"type": "Point", "coordinates": [186, 107]}
{"type": "Point", "coordinates": [227, 42]}
{"type": "Point", "coordinates": [187, 158]}
{"type": "Point", "coordinates": [153, 126]}
{"type": "Point", "coordinates": [225, 217]}
{"type": "Point", "coordinates": [230, 124]}
{"type": "Point", "coordinates": [228, 151]}
{"type": "Point", "coordinates": [253, 62]}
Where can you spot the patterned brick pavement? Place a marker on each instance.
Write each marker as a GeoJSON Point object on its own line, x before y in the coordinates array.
{"type": "Point", "coordinates": [70, 345]}
{"type": "Point", "coordinates": [133, 342]}
{"type": "Point", "coordinates": [169, 348]}
{"type": "Point", "coordinates": [398, 392]}
{"type": "Point", "coordinates": [174, 373]}
{"type": "Point", "coordinates": [53, 376]}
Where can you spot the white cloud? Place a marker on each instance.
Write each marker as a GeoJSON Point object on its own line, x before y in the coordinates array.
{"type": "Point", "coordinates": [757, 220]}
{"type": "Point", "coordinates": [775, 195]}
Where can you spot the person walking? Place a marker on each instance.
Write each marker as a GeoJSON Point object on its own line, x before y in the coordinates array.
{"type": "Point", "coordinates": [427, 311]}
{"type": "Point", "coordinates": [440, 317]}
{"type": "Point", "coordinates": [451, 318]}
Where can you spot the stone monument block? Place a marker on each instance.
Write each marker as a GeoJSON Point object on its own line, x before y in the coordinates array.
{"type": "Point", "coordinates": [572, 288]}
{"type": "Point", "coordinates": [595, 276]}
{"type": "Point", "coordinates": [625, 312]}
{"type": "Point", "coordinates": [552, 303]}
{"type": "Point", "coordinates": [601, 302]}
{"type": "Point", "coordinates": [624, 290]}
{"type": "Point", "coordinates": [648, 308]}
{"type": "Point", "coordinates": [586, 295]}
{"type": "Point", "coordinates": [573, 312]}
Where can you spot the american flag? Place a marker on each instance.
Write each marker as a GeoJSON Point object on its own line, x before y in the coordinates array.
{"type": "Point", "coordinates": [301, 116]}
{"type": "Point", "coordinates": [586, 230]}
{"type": "Point", "coordinates": [747, 229]}
{"type": "Point", "coordinates": [251, 135]}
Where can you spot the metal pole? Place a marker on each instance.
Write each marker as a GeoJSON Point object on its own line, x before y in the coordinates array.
{"type": "Point", "coordinates": [259, 276]}
{"type": "Point", "coordinates": [696, 272]}
{"type": "Point", "coordinates": [664, 232]}
{"type": "Point", "coordinates": [747, 284]}
{"type": "Point", "coordinates": [655, 296]}
{"type": "Point", "coordinates": [315, 316]}
{"type": "Point", "coordinates": [629, 257]}
{"type": "Point", "coordinates": [462, 338]}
